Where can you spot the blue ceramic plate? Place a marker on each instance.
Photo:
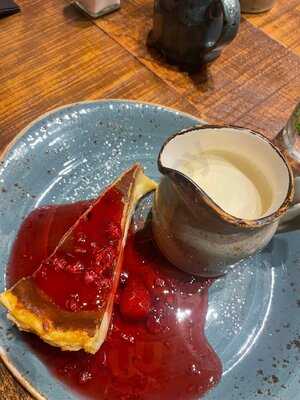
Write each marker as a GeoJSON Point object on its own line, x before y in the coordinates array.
{"type": "Point", "coordinates": [253, 321]}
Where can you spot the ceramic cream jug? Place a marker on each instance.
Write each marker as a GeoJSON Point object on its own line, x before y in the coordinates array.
{"type": "Point", "coordinates": [223, 193]}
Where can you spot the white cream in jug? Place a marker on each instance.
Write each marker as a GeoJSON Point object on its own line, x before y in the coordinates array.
{"type": "Point", "coordinates": [233, 182]}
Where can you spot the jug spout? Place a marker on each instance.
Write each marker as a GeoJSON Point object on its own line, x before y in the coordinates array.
{"type": "Point", "coordinates": [205, 222]}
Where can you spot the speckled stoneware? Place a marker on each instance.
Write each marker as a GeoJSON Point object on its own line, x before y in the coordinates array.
{"type": "Point", "coordinates": [203, 239]}
{"type": "Point", "coordinates": [254, 313]}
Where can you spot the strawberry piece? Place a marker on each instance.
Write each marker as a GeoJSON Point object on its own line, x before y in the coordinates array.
{"type": "Point", "coordinates": [59, 264]}
{"type": "Point", "coordinates": [72, 303]}
{"type": "Point", "coordinates": [105, 258]}
{"type": "Point", "coordinates": [76, 268]}
{"type": "Point", "coordinates": [114, 231]}
{"type": "Point", "coordinates": [90, 277]}
{"type": "Point", "coordinates": [135, 302]}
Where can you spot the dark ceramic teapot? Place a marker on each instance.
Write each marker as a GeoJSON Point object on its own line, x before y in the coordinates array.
{"type": "Point", "coordinates": [193, 32]}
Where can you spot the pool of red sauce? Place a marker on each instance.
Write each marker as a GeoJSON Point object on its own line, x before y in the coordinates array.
{"type": "Point", "coordinates": [161, 353]}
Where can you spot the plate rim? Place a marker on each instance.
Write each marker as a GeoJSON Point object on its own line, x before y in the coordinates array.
{"type": "Point", "coordinates": [23, 131]}
{"type": "Point", "coordinates": [3, 355]}
{"type": "Point", "coordinates": [19, 377]}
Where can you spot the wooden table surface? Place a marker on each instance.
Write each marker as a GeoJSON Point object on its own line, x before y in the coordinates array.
{"type": "Point", "coordinates": [51, 54]}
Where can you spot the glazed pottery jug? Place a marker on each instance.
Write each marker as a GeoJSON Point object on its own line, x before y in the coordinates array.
{"type": "Point", "coordinates": [223, 192]}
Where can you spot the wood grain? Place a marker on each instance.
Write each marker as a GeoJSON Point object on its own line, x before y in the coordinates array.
{"type": "Point", "coordinates": [51, 54]}
{"type": "Point", "coordinates": [54, 56]}
{"type": "Point", "coordinates": [282, 23]}
{"type": "Point", "coordinates": [250, 71]}
{"type": "Point", "coordinates": [10, 389]}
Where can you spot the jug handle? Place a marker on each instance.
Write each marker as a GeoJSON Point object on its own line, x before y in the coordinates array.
{"type": "Point", "coordinates": [286, 141]}
{"type": "Point", "coordinates": [231, 22]}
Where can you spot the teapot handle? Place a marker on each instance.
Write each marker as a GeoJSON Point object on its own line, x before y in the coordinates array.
{"type": "Point", "coordinates": [231, 22]}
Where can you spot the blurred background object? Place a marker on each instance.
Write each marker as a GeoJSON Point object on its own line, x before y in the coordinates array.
{"type": "Point", "coordinates": [8, 7]}
{"type": "Point", "coordinates": [256, 6]}
{"type": "Point", "coordinates": [96, 8]}
{"type": "Point", "coordinates": [288, 140]}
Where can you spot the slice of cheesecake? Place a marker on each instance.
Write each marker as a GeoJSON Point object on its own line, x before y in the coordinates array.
{"type": "Point", "coordinates": [68, 301]}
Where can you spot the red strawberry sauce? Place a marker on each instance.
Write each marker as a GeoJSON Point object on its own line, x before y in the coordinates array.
{"type": "Point", "coordinates": [156, 347]}
{"type": "Point", "coordinates": [79, 275]}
